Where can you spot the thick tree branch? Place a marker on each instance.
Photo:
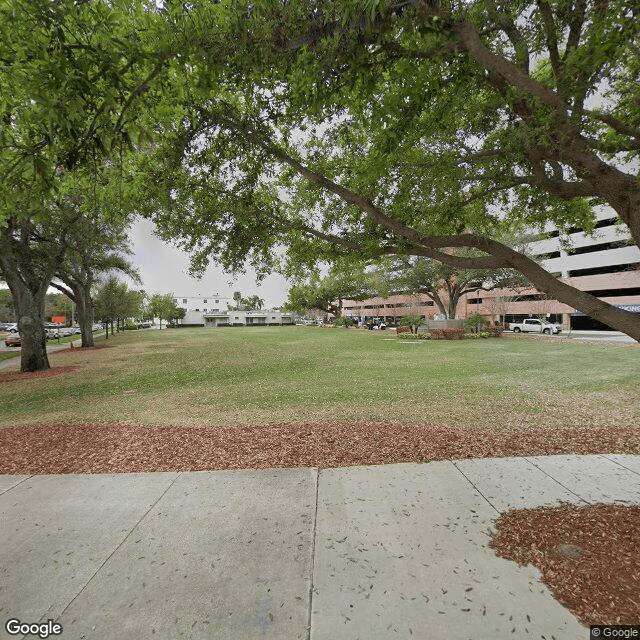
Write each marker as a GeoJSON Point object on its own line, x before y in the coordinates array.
{"type": "Point", "coordinates": [551, 37]}
{"type": "Point", "coordinates": [62, 289]}
{"type": "Point", "coordinates": [576, 21]}
{"type": "Point", "coordinates": [614, 123]}
{"type": "Point", "coordinates": [508, 71]}
{"type": "Point", "coordinates": [509, 27]}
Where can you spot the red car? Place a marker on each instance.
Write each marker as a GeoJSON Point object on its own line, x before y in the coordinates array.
{"type": "Point", "coordinates": [13, 340]}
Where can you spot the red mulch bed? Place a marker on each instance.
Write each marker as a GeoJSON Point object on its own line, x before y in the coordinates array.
{"type": "Point", "coordinates": [120, 448]}
{"type": "Point", "coordinates": [601, 584]}
{"type": "Point", "coordinates": [600, 587]}
{"type": "Point", "coordinates": [13, 376]}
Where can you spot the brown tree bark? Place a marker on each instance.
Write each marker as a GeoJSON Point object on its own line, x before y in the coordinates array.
{"type": "Point", "coordinates": [81, 296]}
{"type": "Point", "coordinates": [28, 282]}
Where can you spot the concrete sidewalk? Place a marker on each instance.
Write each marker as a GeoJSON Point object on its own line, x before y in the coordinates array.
{"type": "Point", "coordinates": [356, 553]}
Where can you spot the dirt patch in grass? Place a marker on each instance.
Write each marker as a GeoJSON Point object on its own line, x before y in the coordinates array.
{"type": "Point", "coordinates": [118, 448]}
{"type": "Point", "coordinates": [589, 557]}
{"type": "Point", "coordinates": [13, 376]}
{"type": "Point", "coordinates": [63, 352]}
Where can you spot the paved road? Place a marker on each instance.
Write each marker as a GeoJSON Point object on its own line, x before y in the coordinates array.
{"type": "Point", "coordinates": [369, 553]}
{"type": "Point", "coordinates": [597, 336]}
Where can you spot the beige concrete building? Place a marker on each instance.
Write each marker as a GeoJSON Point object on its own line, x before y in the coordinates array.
{"type": "Point", "coordinates": [605, 265]}
{"type": "Point", "coordinates": [213, 311]}
{"type": "Point", "coordinates": [233, 318]}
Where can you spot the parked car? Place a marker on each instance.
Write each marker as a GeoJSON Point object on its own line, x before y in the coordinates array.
{"type": "Point", "coordinates": [13, 340]}
{"type": "Point", "coordinates": [533, 325]}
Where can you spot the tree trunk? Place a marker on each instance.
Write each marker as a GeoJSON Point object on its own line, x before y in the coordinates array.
{"type": "Point", "coordinates": [28, 283]}
{"type": "Point", "coordinates": [29, 307]}
{"type": "Point", "coordinates": [30, 311]}
{"type": "Point", "coordinates": [84, 315]}
{"type": "Point", "coordinates": [440, 305]}
{"type": "Point", "coordinates": [453, 306]}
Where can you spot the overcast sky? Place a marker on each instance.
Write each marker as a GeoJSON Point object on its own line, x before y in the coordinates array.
{"type": "Point", "coordinates": [165, 269]}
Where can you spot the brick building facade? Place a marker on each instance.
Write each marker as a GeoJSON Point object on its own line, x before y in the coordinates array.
{"type": "Point", "coordinates": [604, 264]}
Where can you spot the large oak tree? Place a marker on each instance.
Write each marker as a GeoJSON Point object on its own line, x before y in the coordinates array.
{"type": "Point", "coordinates": [411, 127]}
{"type": "Point", "coordinates": [72, 75]}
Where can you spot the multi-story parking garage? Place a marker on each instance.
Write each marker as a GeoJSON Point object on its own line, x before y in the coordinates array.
{"type": "Point", "coordinates": [604, 264]}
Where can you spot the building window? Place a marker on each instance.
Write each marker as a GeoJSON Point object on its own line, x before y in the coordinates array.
{"type": "Point", "coordinates": [184, 301]}
{"type": "Point", "coordinates": [215, 310]}
{"type": "Point", "coordinates": [217, 301]}
{"type": "Point", "coordinates": [205, 301]}
{"type": "Point", "coordinates": [595, 271]}
{"type": "Point", "coordinates": [548, 256]}
{"type": "Point", "coordinates": [196, 309]}
{"type": "Point", "coordinates": [598, 247]}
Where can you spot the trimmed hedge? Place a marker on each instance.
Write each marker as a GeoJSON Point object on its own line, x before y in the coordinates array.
{"type": "Point", "coordinates": [404, 333]}
{"type": "Point", "coordinates": [448, 334]}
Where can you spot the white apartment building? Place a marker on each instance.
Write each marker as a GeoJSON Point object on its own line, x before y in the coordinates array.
{"type": "Point", "coordinates": [248, 319]}
{"type": "Point", "coordinates": [197, 306]}
{"type": "Point", "coordinates": [213, 311]}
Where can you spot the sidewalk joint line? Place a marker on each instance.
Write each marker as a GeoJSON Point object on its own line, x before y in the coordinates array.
{"type": "Point", "coordinates": [605, 456]}
{"type": "Point", "coordinates": [464, 475]}
{"type": "Point", "coordinates": [313, 554]}
{"type": "Point", "coordinates": [17, 484]}
{"type": "Point", "coordinates": [577, 495]}
{"type": "Point", "coordinates": [118, 547]}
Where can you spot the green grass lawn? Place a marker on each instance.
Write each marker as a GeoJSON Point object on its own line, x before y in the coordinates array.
{"type": "Point", "coordinates": [257, 375]}
{"type": "Point", "coordinates": [7, 355]}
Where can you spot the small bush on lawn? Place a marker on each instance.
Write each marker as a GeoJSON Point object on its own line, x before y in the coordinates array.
{"type": "Point", "coordinates": [344, 322]}
{"type": "Point", "coordinates": [475, 323]}
{"type": "Point", "coordinates": [475, 336]}
{"type": "Point", "coordinates": [447, 334]}
{"type": "Point", "coordinates": [413, 322]}
{"type": "Point", "coordinates": [403, 330]}
{"type": "Point", "coordinates": [496, 330]}
{"type": "Point", "coordinates": [414, 336]}
{"type": "Point", "coordinates": [130, 326]}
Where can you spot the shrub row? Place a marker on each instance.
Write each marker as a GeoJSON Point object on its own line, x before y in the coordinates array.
{"type": "Point", "coordinates": [448, 334]}
{"type": "Point", "coordinates": [460, 334]}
